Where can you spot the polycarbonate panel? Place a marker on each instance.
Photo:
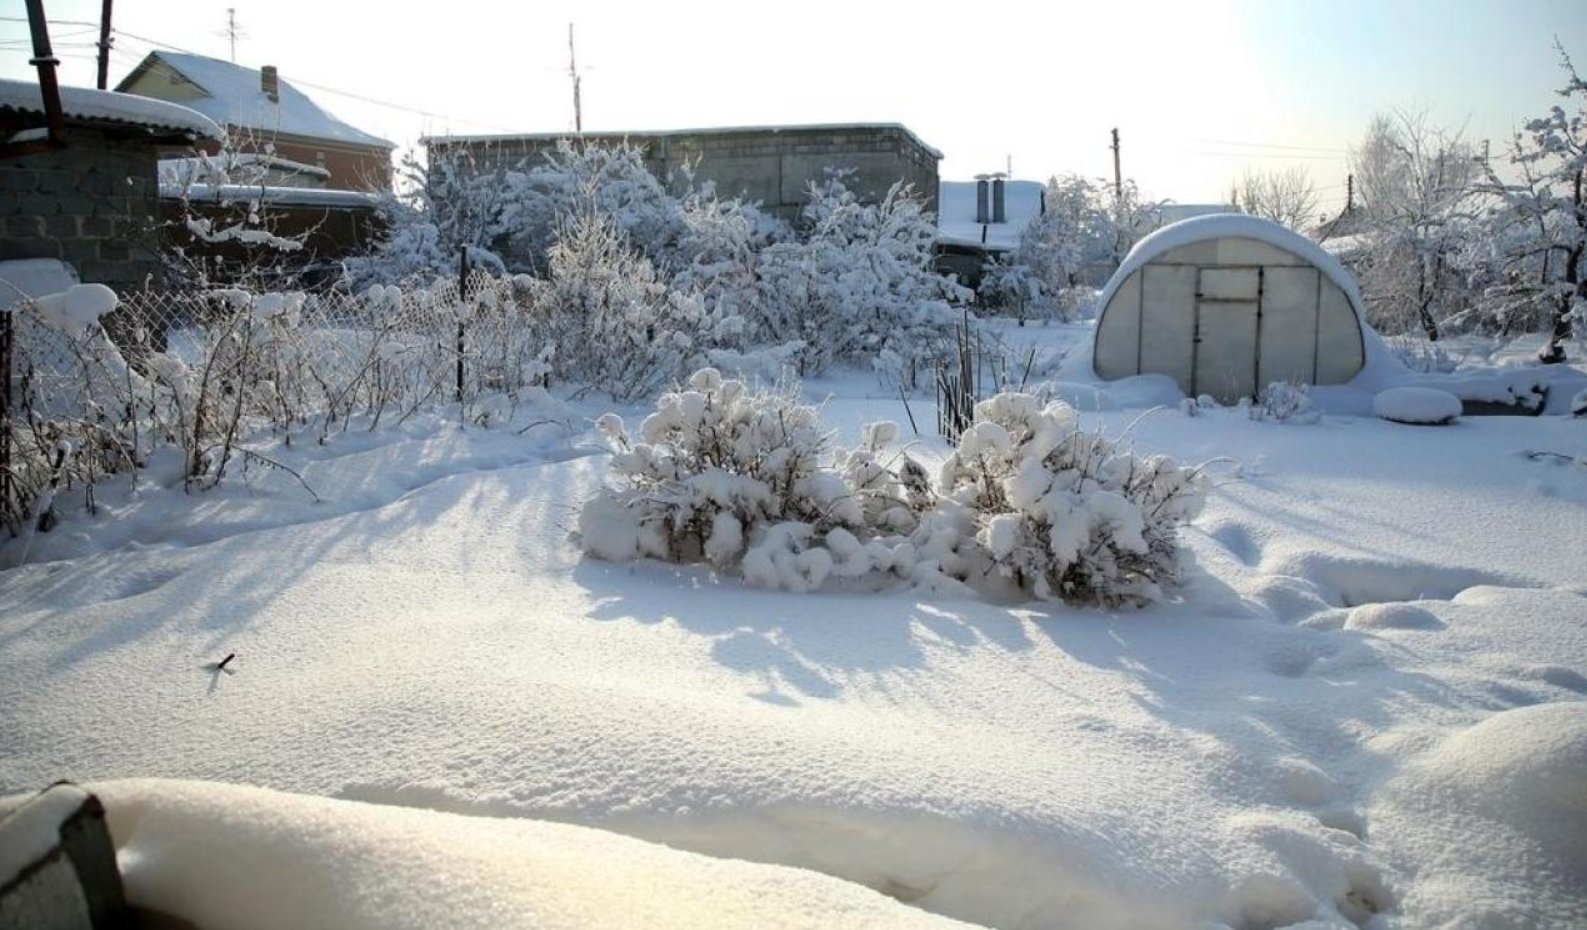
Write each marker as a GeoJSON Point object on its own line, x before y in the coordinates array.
{"type": "Point", "coordinates": [1226, 350]}
{"type": "Point", "coordinates": [1118, 343]}
{"type": "Point", "coordinates": [1168, 316]}
{"type": "Point", "coordinates": [1236, 250]}
{"type": "Point", "coordinates": [1287, 338]}
{"type": "Point", "coordinates": [1228, 284]}
{"type": "Point", "coordinates": [1339, 350]}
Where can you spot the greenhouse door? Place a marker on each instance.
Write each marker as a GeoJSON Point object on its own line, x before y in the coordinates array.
{"type": "Point", "coordinates": [1227, 300]}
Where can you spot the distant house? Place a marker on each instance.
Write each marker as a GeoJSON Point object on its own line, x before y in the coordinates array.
{"type": "Point", "coordinates": [91, 197]}
{"type": "Point", "coordinates": [267, 116]}
{"type": "Point", "coordinates": [772, 165]}
{"type": "Point", "coordinates": [982, 219]}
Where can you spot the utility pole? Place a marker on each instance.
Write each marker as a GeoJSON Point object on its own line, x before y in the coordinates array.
{"type": "Point", "coordinates": [1350, 193]}
{"type": "Point", "coordinates": [573, 73]}
{"type": "Point", "coordinates": [1118, 177]}
{"type": "Point", "coordinates": [231, 31]}
{"type": "Point", "coordinates": [104, 45]}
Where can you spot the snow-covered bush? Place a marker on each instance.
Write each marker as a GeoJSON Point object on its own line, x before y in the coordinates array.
{"type": "Point", "coordinates": [1067, 514]}
{"type": "Point", "coordinates": [1284, 402]}
{"type": "Point", "coordinates": [717, 471]}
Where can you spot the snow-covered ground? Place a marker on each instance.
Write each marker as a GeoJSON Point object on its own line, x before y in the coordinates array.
{"type": "Point", "coordinates": [1366, 707]}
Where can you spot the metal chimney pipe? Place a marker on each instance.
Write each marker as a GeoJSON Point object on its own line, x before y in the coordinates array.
{"type": "Point", "coordinates": [998, 213]}
{"type": "Point", "coordinates": [980, 200]}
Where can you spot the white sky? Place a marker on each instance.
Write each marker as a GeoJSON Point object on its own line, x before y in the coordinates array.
{"type": "Point", "coordinates": [1199, 91]}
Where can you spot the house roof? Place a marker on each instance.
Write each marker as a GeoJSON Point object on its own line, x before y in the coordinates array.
{"type": "Point", "coordinates": [232, 96]}
{"type": "Point", "coordinates": [109, 107]}
{"type": "Point", "coordinates": [956, 225]}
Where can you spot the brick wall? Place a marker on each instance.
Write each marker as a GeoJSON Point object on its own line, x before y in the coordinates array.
{"type": "Point", "coordinates": [93, 204]}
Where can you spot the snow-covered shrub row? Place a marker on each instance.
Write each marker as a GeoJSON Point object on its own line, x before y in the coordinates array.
{"type": "Point", "coordinates": [746, 481]}
{"type": "Point", "coordinates": [855, 282]}
{"type": "Point", "coordinates": [208, 372]}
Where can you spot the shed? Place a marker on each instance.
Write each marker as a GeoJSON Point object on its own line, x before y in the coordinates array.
{"type": "Point", "coordinates": [1228, 304]}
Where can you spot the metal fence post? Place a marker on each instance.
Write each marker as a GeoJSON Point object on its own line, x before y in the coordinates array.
{"type": "Point", "coordinates": [462, 296]}
{"type": "Point", "coordinates": [7, 339]}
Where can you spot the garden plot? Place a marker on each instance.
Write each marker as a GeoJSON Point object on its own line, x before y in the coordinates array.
{"type": "Point", "coordinates": [1368, 611]}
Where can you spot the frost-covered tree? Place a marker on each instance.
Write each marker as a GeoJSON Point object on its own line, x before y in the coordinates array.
{"type": "Point", "coordinates": [1084, 227]}
{"type": "Point", "coordinates": [1532, 254]}
{"type": "Point", "coordinates": [1286, 196]}
{"type": "Point", "coordinates": [858, 283]}
{"type": "Point", "coordinates": [1414, 182]}
{"type": "Point", "coordinates": [611, 321]}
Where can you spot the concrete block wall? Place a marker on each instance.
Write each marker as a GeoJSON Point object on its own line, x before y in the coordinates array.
{"type": "Point", "coordinates": [771, 165]}
{"type": "Point", "coordinates": [93, 204]}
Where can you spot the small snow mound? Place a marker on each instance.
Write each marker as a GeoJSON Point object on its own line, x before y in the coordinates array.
{"type": "Point", "coordinates": [1416, 406]}
{"type": "Point", "coordinates": [75, 309]}
{"type": "Point", "coordinates": [1578, 404]}
{"type": "Point", "coordinates": [1392, 617]}
{"type": "Point", "coordinates": [1519, 780]}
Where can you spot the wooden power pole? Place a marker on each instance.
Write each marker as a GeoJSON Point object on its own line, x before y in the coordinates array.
{"type": "Point", "coordinates": [573, 73]}
{"type": "Point", "coordinates": [1118, 177]}
{"type": "Point", "coordinates": [104, 45]}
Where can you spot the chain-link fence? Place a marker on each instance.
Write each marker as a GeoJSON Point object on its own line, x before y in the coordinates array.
{"type": "Point", "coordinates": [199, 370]}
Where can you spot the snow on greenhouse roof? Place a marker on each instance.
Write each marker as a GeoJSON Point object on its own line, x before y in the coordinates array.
{"type": "Point", "coordinates": [109, 106]}
{"type": "Point", "coordinates": [956, 223]}
{"type": "Point", "coordinates": [234, 97]}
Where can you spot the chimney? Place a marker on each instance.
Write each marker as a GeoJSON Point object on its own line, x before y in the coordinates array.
{"type": "Point", "coordinates": [980, 198]}
{"type": "Point", "coordinates": [998, 214]}
{"type": "Point", "coordinates": [270, 83]}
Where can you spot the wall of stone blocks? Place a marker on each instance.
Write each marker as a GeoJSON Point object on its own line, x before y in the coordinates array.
{"type": "Point", "coordinates": [772, 166]}
{"type": "Point", "coordinates": [93, 204]}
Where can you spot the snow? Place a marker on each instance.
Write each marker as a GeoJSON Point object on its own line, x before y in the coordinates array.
{"type": "Point", "coordinates": [89, 104]}
{"type": "Point", "coordinates": [205, 168]}
{"type": "Point", "coordinates": [73, 310]}
{"type": "Point", "coordinates": [956, 223]}
{"type": "Point", "coordinates": [1417, 405]}
{"type": "Point", "coordinates": [33, 277]}
{"type": "Point", "coordinates": [234, 98]}
{"type": "Point", "coordinates": [230, 856]}
{"type": "Point", "coordinates": [34, 828]}
{"type": "Point", "coordinates": [1362, 708]}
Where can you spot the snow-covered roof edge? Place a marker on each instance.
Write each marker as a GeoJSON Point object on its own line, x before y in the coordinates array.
{"type": "Point", "coordinates": [669, 133]}
{"type": "Point", "coordinates": [89, 104]}
{"type": "Point", "coordinates": [280, 196]}
{"type": "Point", "coordinates": [1225, 225]}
